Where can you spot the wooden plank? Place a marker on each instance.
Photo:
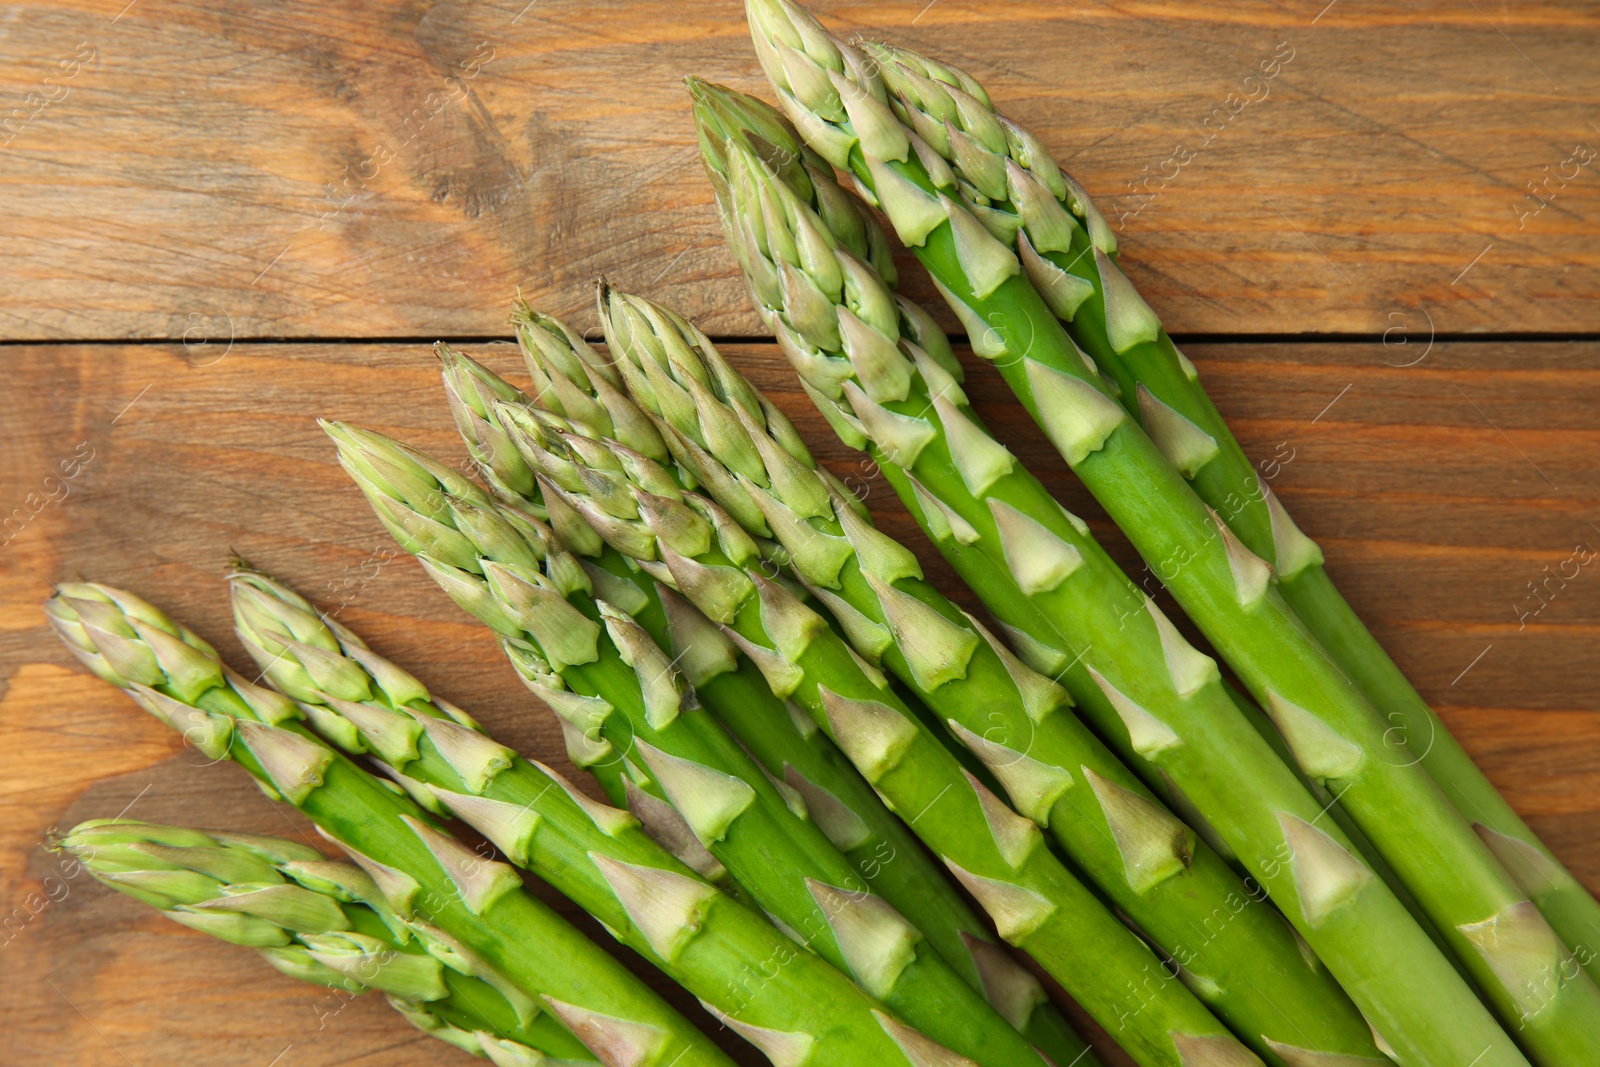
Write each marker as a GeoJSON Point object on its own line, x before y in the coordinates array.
{"type": "Point", "coordinates": [362, 170]}
{"type": "Point", "coordinates": [1419, 481]}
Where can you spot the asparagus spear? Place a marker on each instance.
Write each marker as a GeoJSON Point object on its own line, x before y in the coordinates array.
{"type": "Point", "coordinates": [788, 746]}
{"type": "Point", "coordinates": [1335, 733]}
{"type": "Point", "coordinates": [1150, 866]}
{"type": "Point", "coordinates": [476, 382]}
{"type": "Point", "coordinates": [1037, 904]}
{"type": "Point", "coordinates": [1116, 645]}
{"type": "Point", "coordinates": [880, 946]}
{"type": "Point", "coordinates": [1106, 316]}
{"type": "Point", "coordinates": [317, 920]}
{"type": "Point", "coordinates": [470, 911]}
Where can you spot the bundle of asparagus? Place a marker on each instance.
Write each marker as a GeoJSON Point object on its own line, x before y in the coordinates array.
{"type": "Point", "coordinates": [789, 747]}
{"type": "Point", "coordinates": [901, 155]}
{"type": "Point", "coordinates": [469, 910]}
{"type": "Point", "coordinates": [1107, 318]}
{"type": "Point", "coordinates": [1143, 858]}
{"type": "Point", "coordinates": [958, 481]}
{"type": "Point", "coordinates": [815, 760]}
{"type": "Point", "coordinates": [682, 933]}
{"type": "Point", "coordinates": [790, 1004]}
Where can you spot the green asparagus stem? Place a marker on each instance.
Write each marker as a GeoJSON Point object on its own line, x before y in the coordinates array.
{"type": "Point", "coordinates": [1150, 866]}
{"type": "Point", "coordinates": [571, 378]}
{"type": "Point", "coordinates": [1335, 733]}
{"type": "Point", "coordinates": [1570, 908]}
{"type": "Point", "coordinates": [999, 856]}
{"type": "Point", "coordinates": [1134, 677]}
{"type": "Point", "coordinates": [314, 919]}
{"type": "Point", "coordinates": [469, 911]}
{"type": "Point", "coordinates": [1106, 316]}
{"type": "Point", "coordinates": [874, 939]}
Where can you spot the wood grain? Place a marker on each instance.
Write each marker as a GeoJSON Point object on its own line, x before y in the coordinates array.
{"type": "Point", "coordinates": [286, 169]}
{"type": "Point", "coordinates": [213, 175]}
{"type": "Point", "coordinates": [1437, 490]}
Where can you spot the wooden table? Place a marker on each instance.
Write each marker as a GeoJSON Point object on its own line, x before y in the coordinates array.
{"type": "Point", "coordinates": [223, 221]}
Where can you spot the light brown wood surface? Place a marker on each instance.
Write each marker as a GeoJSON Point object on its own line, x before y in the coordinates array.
{"type": "Point", "coordinates": [1438, 492]}
{"type": "Point", "coordinates": [307, 170]}
{"type": "Point", "coordinates": [201, 179]}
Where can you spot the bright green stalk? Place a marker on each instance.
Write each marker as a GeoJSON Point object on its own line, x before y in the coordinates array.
{"type": "Point", "coordinates": [1140, 684]}
{"type": "Point", "coordinates": [597, 666]}
{"type": "Point", "coordinates": [571, 378]}
{"type": "Point", "coordinates": [1105, 315]}
{"type": "Point", "coordinates": [1001, 858]}
{"type": "Point", "coordinates": [723, 117]}
{"type": "Point", "coordinates": [469, 911]}
{"type": "Point", "coordinates": [1571, 909]}
{"type": "Point", "coordinates": [314, 919]}
{"type": "Point", "coordinates": [1250, 971]}
{"type": "Point", "coordinates": [1337, 737]}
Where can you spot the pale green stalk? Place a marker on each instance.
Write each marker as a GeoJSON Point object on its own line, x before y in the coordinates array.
{"type": "Point", "coordinates": [1105, 315]}
{"type": "Point", "coordinates": [1251, 971]}
{"type": "Point", "coordinates": [1000, 857]}
{"type": "Point", "coordinates": [469, 911]}
{"type": "Point", "coordinates": [1336, 735]}
{"type": "Point", "coordinates": [317, 920]}
{"type": "Point", "coordinates": [590, 660]}
{"type": "Point", "coordinates": [570, 377]}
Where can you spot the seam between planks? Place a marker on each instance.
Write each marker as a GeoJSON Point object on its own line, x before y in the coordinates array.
{"type": "Point", "coordinates": [1523, 337]}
